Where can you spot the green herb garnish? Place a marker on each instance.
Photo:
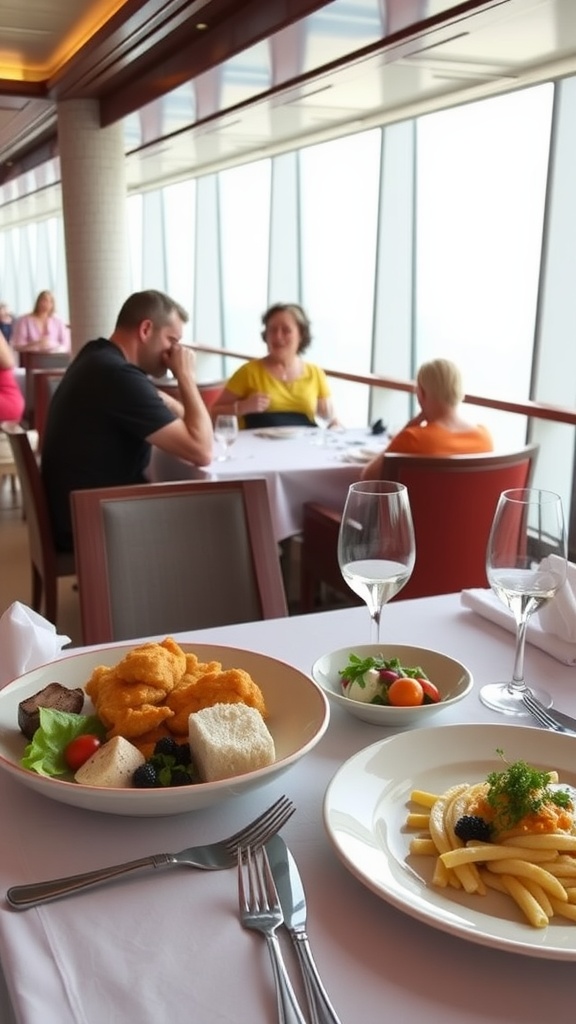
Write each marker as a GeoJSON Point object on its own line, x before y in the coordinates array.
{"type": "Point", "coordinates": [356, 668]}
{"type": "Point", "coordinates": [520, 790]}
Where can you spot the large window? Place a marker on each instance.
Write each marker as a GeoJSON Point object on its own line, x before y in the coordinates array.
{"type": "Point", "coordinates": [481, 188]}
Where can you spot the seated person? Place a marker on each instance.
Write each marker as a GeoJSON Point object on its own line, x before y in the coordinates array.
{"type": "Point", "coordinates": [41, 330]}
{"type": "Point", "coordinates": [280, 388]}
{"type": "Point", "coordinates": [439, 428]}
{"type": "Point", "coordinates": [6, 321]}
{"type": "Point", "coordinates": [11, 397]}
{"type": "Point", "coordinates": [106, 412]}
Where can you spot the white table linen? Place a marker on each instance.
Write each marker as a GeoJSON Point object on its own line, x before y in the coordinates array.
{"type": "Point", "coordinates": [168, 945]}
{"type": "Point", "coordinates": [296, 469]}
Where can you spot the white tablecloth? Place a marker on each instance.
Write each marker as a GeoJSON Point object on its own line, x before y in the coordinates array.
{"type": "Point", "coordinates": [296, 469]}
{"type": "Point", "coordinates": [169, 946]}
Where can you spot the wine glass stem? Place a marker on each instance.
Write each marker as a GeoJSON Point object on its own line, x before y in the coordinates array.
{"type": "Point", "coordinates": [518, 671]}
{"type": "Point", "coordinates": [375, 627]}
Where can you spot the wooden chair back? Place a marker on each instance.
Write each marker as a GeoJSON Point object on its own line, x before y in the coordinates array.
{"type": "Point", "coordinates": [44, 383]}
{"type": "Point", "coordinates": [452, 498]}
{"type": "Point", "coordinates": [162, 558]}
{"type": "Point", "coordinates": [32, 361]}
{"type": "Point", "coordinates": [47, 564]}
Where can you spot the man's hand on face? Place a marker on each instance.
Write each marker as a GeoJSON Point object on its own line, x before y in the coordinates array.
{"type": "Point", "coordinates": [181, 360]}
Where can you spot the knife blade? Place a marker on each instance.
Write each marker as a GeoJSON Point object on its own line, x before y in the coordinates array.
{"type": "Point", "coordinates": [562, 719]}
{"type": "Point", "coordinates": [293, 901]}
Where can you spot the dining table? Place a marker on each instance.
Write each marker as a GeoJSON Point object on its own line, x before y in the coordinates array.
{"type": "Point", "coordinates": [169, 946]}
{"type": "Point", "coordinates": [299, 464]}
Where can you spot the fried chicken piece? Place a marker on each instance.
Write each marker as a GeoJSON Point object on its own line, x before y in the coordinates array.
{"type": "Point", "coordinates": [161, 665]}
{"type": "Point", "coordinates": [232, 686]}
{"type": "Point", "coordinates": [135, 722]}
{"type": "Point", "coordinates": [195, 668]}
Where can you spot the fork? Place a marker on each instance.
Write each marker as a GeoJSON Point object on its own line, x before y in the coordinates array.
{"type": "Point", "coordinates": [541, 715]}
{"type": "Point", "coordinates": [260, 909]}
{"type": "Point", "coordinates": [210, 857]}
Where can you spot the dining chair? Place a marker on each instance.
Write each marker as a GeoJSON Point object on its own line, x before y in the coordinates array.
{"type": "Point", "coordinates": [46, 563]}
{"type": "Point", "coordinates": [32, 361]}
{"type": "Point", "coordinates": [452, 498]}
{"type": "Point", "coordinates": [44, 385]}
{"type": "Point", "coordinates": [161, 558]}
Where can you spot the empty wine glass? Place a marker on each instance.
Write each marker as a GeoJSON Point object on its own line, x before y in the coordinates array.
{"type": "Point", "coordinates": [525, 565]}
{"type": "Point", "coordinates": [323, 418]}
{"type": "Point", "coordinates": [226, 432]}
{"type": "Point", "coordinates": [376, 547]}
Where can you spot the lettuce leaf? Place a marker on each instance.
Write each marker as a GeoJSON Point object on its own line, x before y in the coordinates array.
{"type": "Point", "coordinates": [45, 753]}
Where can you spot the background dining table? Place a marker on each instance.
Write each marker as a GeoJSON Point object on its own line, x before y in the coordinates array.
{"type": "Point", "coordinates": [169, 946]}
{"type": "Point", "coordinates": [296, 467]}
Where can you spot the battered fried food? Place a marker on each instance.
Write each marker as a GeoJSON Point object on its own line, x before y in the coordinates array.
{"type": "Point", "coordinates": [232, 686]}
{"type": "Point", "coordinates": [154, 689]}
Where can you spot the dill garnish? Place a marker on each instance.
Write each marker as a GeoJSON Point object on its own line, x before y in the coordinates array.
{"type": "Point", "coordinates": [520, 790]}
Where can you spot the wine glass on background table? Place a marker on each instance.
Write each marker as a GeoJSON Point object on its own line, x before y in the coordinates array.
{"type": "Point", "coordinates": [226, 432]}
{"type": "Point", "coordinates": [527, 529]}
{"type": "Point", "coordinates": [376, 547]}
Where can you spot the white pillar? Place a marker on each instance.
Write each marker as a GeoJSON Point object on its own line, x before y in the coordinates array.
{"type": "Point", "coordinates": [92, 165]}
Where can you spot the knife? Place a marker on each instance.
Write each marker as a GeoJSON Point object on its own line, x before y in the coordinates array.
{"type": "Point", "coordinates": [293, 902]}
{"type": "Point", "coordinates": [562, 719]}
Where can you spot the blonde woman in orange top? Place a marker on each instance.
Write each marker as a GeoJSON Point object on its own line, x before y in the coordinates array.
{"type": "Point", "coordinates": [439, 428]}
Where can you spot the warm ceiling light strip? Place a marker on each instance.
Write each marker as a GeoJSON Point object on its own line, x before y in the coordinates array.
{"type": "Point", "coordinates": [100, 13]}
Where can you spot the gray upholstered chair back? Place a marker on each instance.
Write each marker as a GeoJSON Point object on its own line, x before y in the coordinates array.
{"type": "Point", "coordinates": [176, 557]}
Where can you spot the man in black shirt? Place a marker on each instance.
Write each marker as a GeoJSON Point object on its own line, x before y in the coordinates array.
{"type": "Point", "coordinates": [106, 413]}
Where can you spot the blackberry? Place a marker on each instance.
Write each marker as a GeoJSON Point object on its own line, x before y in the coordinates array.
{"type": "Point", "coordinates": [182, 754]}
{"type": "Point", "coordinates": [180, 776]}
{"type": "Point", "coordinates": [166, 745]}
{"type": "Point", "coordinates": [470, 826]}
{"type": "Point", "coordinates": [145, 777]}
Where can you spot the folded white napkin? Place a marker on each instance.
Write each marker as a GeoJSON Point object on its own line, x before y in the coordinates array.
{"type": "Point", "coordinates": [27, 640]}
{"type": "Point", "coordinates": [559, 615]}
{"type": "Point", "coordinates": [487, 604]}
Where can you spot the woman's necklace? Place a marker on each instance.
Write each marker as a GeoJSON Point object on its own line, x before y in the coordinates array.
{"type": "Point", "coordinates": [285, 373]}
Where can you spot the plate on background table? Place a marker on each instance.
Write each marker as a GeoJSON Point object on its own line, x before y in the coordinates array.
{"type": "Point", "coordinates": [280, 433]}
{"type": "Point", "coordinates": [298, 716]}
{"type": "Point", "coordinates": [365, 811]}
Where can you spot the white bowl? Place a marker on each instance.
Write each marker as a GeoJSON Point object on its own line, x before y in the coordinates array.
{"type": "Point", "coordinates": [298, 716]}
{"type": "Point", "coordinates": [452, 678]}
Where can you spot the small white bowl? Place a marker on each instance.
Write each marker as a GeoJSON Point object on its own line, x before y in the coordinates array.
{"type": "Point", "coordinates": [452, 678]}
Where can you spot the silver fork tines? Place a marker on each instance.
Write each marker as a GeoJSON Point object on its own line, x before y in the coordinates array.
{"type": "Point", "coordinates": [540, 714]}
{"type": "Point", "coordinates": [209, 857]}
{"type": "Point", "coordinates": [260, 909]}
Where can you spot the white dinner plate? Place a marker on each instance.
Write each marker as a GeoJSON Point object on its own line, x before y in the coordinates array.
{"type": "Point", "coordinates": [298, 716]}
{"type": "Point", "coordinates": [365, 811]}
{"type": "Point", "coordinates": [280, 433]}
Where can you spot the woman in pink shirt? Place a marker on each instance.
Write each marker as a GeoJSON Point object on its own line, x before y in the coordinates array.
{"type": "Point", "coordinates": [11, 397]}
{"type": "Point", "coordinates": [41, 330]}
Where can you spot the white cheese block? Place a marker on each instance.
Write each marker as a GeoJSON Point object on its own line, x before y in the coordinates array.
{"type": "Point", "coordinates": [112, 765]}
{"type": "Point", "coordinates": [228, 740]}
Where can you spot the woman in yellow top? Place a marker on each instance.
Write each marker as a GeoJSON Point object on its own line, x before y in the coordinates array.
{"type": "Point", "coordinates": [281, 388]}
{"type": "Point", "coordinates": [439, 428]}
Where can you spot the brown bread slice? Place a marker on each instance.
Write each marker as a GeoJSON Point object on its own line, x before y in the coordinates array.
{"type": "Point", "coordinates": [55, 696]}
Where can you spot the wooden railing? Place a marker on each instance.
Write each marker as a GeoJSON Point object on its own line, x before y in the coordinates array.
{"type": "Point", "coordinates": [536, 410]}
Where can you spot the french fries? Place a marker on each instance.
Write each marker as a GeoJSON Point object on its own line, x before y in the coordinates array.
{"type": "Point", "coordinates": [537, 871]}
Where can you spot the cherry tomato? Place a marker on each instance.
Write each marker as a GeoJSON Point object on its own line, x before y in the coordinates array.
{"type": "Point", "coordinates": [388, 675]}
{"type": "Point", "coordinates": [405, 693]}
{"type": "Point", "coordinates": [80, 749]}
{"type": "Point", "coordinates": [431, 692]}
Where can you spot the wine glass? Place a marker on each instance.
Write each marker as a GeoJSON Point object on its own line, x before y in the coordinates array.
{"type": "Point", "coordinates": [376, 547]}
{"type": "Point", "coordinates": [226, 432]}
{"type": "Point", "coordinates": [323, 420]}
{"type": "Point", "coordinates": [528, 528]}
